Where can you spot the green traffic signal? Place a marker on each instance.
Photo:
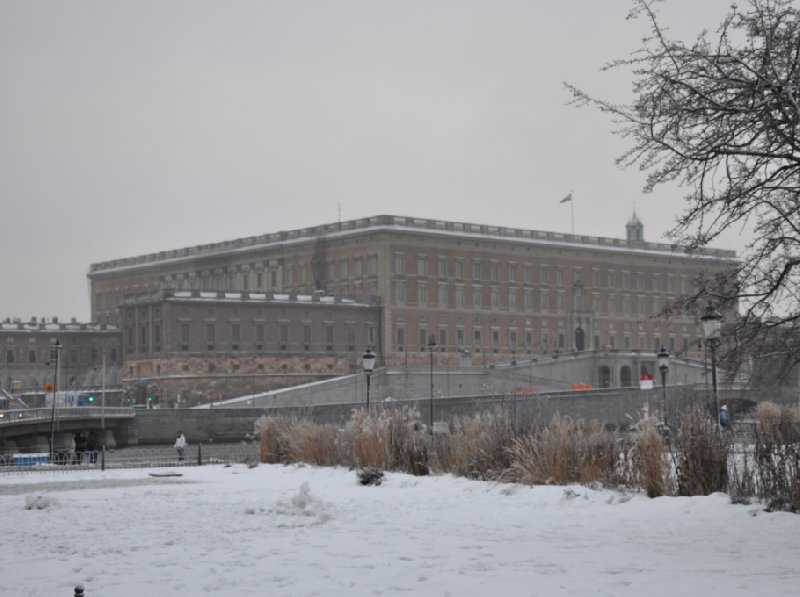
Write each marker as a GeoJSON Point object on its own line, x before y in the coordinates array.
{"type": "Point", "coordinates": [91, 398]}
{"type": "Point", "coordinates": [149, 398]}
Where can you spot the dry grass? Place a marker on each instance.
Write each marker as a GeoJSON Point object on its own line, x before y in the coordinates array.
{"type": "Point", "coordinates": [701, 455]}
{"type": "Point", "coordinates": [564, 452]}
{"type": "Point", "coordinates": [777, 456]}
{"type": "Point", "coordinates": [652, 460]}
{"type": "Point", "coordinates": [476, 448]}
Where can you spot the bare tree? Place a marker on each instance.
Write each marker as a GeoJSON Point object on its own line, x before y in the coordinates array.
{"type": "Point", "coordinates": [720, 117]}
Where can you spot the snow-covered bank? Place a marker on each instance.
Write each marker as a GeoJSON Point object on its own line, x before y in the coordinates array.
{"type": "Point", "coordinates": [277, 530]}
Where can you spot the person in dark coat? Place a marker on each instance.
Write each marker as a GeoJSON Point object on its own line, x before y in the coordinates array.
{"type": "Point", "coordinates": [80, 447]}
{"type": "Point", "coordinates": [91, 446]}
{"type": "Point", "coordinates": [724, 418]}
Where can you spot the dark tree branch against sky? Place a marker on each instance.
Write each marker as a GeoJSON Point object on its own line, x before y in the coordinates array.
{"type": "Point", "coordinates": [719, 116]}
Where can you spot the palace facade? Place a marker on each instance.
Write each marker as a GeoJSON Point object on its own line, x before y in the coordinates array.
{"type": "Point", "coordinates": [482, 292]}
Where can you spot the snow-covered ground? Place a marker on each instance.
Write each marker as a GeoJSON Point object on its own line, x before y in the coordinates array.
{"type": "Point", "coordinates": [275, 530]}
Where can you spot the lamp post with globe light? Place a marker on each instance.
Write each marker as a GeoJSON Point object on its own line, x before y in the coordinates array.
{"type": "Point", "coordinates": [712, 322]}
{"type": "Point", "coordinates": [663, 366]}
{"type": "Point", "coordinates": [368, 363]}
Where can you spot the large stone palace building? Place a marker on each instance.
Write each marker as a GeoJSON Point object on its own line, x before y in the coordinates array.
{"type": "Point", "coordinates": [404, 286]}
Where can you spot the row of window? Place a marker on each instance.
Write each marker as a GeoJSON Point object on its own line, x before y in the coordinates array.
{"type": "Point", "coordinates": [73, 356]}
{"type": "Point", "coordinates": [286, 336]}
{"type": "Point", "coordinates": [612, 304]}
{"type": "Point", "coordinates": [546, 341]}
{"type": "Point", "coordinates": [525, 273]}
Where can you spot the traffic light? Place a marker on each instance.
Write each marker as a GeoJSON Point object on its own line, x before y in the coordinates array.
{"type": "Point", "coordinates": [149, 398]}
{"type": "Point", "coordinates": [91, 398]}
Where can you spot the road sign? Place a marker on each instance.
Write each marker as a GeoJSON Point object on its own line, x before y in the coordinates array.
{"type": "Point", "coordinates": [49, 388]}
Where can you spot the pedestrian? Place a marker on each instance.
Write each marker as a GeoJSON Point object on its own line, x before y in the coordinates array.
{"type": "Point", "coordinates": [91, 446]}
{"type": "Point", "coordinates": [80, 447]}
{"type": "Point", "coordinates": [724, 418]}
{"type": "Point", "coordinates": [180, 445]}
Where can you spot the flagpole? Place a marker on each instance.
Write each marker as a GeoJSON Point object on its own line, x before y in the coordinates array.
{"type": "Point", "coordinates": [572, 214]}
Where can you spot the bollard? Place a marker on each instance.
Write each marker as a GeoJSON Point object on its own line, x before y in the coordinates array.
{"type": "Point", "coordinates": [103, 459]}
{"type": "Point", "coordinates": [79, 591]}
{"type": "Point", "coordinates": [199, 454]}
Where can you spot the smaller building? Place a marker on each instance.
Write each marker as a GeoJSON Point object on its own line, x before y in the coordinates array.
{"type": "Point", "coordinates": [27, 362]}
{"type": "Point", "coordinates": [183, 348]}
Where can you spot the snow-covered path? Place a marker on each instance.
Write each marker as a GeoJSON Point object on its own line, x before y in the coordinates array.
{"type": "Point", "coordinates": [275, 530]}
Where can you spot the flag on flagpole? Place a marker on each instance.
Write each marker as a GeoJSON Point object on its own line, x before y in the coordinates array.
{"type": "Point", "coordinates": [567, 199]}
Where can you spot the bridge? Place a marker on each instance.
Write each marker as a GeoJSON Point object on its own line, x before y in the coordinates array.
{"type": "Point", "coordinates": [29, 430]}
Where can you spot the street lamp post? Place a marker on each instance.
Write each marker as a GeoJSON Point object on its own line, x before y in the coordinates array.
{"type": "Point", "coordinates": [663, 366]}
{"type": "Point", "coordinates": [712, 322]}
{"type": "Point", "coordinates": [56, 349]}
{"type": "Point", "coordinates": [368, 362]}
{"type": "Point", "coordinates": [431, 347]}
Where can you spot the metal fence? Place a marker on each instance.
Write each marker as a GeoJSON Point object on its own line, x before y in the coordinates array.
{"type": "Point", "coordinates": [133, 457]}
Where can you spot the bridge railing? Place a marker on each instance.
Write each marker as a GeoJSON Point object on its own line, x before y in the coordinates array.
{"type": "Point", "coordinates": [15, 417]}
{"type": "Point", "coordinates": [134, 457]}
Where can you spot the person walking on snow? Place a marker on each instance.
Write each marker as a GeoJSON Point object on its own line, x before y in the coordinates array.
{"type": "Point", "coordinates": [180, 445]}
{"type": "Point", "coordinates": [724, 419]}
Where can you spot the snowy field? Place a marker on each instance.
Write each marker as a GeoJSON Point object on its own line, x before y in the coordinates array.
{"type": "Point", "coordinates": [275, 530]}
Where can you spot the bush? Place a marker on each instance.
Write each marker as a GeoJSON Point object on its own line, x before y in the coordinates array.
{"type": "Point", "coordinates": [651, 458]}
{"type": "Point", "coordinates": [701, 455]}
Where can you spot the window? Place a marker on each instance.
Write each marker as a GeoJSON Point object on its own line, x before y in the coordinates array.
{"type": "Point", "coordinates": [443, 295]}
{"type": "Point", "coordinates": [329, 337]}
{"type": "Point", "coordinates": [422, 294]}
{"type": "Point", "coordinates": [639, 281]}
{"type": "Point", "coordinates": [544, 299]}
{"type": "Point", "coordinates": [512, 340]}
{"type": "Point", "coordinates": [245, 281]}
{"type": "Point", "coordinates": [545, 341]}
{"type": "Point", "coordinates": [476, 334]}
{"type": "Point", "coordinates": [512, 272]}
{"type": "Point", "coordinates": [184, 336]}
{"type": "Point", "coordinates": [343, 269]}
{"type": "Point", "coordinates": [656, 305]}
{"type": "Point", "coordinates": [400, 264]}
{"type": "Point", "coordinates": [495, 340]}
{"type": "Point", "coordinates": [528, 300]}
{"type": "Point", "coordinates": [512, 298]}
{"type": "Point", "coordinates": [443, 337]}
{"type": "Point", "coordinates": [595, 278]}
{"type": "Point", "coordinates": [476, 296]}
{"type": "Point", "coordinates": [495, 297]}
{"type": "Point", "coordinates": [32, 356]}
{"type": "Point", "coordinates": [423, 338]}
{"type": "Point", "coordinates": [113, 355]}
{"type": "Point", "coordinates": [656, 282]}
{"type": "Point", "coordinates": [528, 273]}
{"type": "Point", "coordinates": [544, 274]}
{"type": "Point", "coordinates": [460, 296]}
{"type": "Point", "coordinates": [684, 286]}
{"type": "Point", "coordinates": [657, 344]}
{"type": "Point", "coordinates": [476, 270]}
{"type": "Point", "coordinates": [260, 336]}
{"type": "Point", "coordinates": [460, 337]}
{"type": "Point", "coordinates": [235, 336]}
{"type": "Point", "coordinates": [494, 272]}
{"type": "Point", "coordinates": [351, 337]}
{"type": "Point", "coordinates": [640, 305]}
{"type": "Point", "coordinates": [288, 275]}
{"type": "Point", "coordinates": [596, 302]}
{"type": "Point", "coordinates": [459, 270]}
{"type": "Point", "coordinates": [422, 265]}
{"type": "Point", "coordinates": [372, 264]}
{"type": "Point", "coordinates": [211, 334]}
{"type": "Point", "coordinates": [560, 302]}
{"type": "Point", "coordinates": [626, 280]}
{"type": "Point", "coordinates": [358, 267]}
{"type": "Point", "coordinates": [9, 356]}
{"type": "Point", "coordinates": [143, 339]}
{"type": "Point", "coordinates": [306, 337]}
{"type": "Point", "coordinates": [441, 267]}
{"type": "Point", "coordinates": [670, 284]}
{"type": "Point", "coordinates": [626, 304]}
{"type": "Point", "coordinates": [560, 276]}
{"type": "Point", "coordinates": [612, 303]}
{"type": "Point", "coordinates": [401, 338]}
{"type": "Point", "coordinates": [400, 293]}
{"type": "Point", "coordinates": [156, 337]}
{"type": "Point", "coordinates": [610, 279]}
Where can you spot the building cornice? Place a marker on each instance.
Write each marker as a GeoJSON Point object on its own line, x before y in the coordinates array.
{"type": "Point", "coordinates": [390, 223]}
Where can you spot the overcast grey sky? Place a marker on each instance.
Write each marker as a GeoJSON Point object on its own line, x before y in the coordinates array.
{"type": "Point", "coordinates": [133, 127]}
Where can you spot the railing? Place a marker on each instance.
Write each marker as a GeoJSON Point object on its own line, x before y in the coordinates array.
{"type": "Point", "coordinates": [29, 415]}
{"type": "Point", "coordinates": [135, 457]}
